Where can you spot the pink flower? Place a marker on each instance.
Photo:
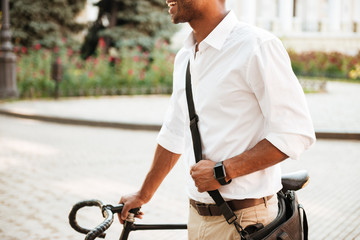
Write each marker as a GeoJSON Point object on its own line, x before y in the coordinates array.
{"type": "Point", "coordinates": [23, 50]}
{"type": "Point", "coordinates": [70, 52]}
{"type": "Point", "coordinates": [102, 43]}
{"type": "Point", "coordinates": [131, 72]}
{"type": "Point", "coordinates": [37, 46]}
{"type": "Point", "coordinates": [56, 49]}
{"type": "Point", "coordinates": [136, 58]}
{"type": "Point", "coordinates": [90, 74]}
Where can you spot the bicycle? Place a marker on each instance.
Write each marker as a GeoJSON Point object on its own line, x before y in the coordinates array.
{"type": "Point", "coordinates": [291, 182]}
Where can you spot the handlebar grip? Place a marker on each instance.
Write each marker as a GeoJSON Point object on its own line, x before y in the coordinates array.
{"type": "Point", "coordinates": [99, 230]}
{"type": "Point", "coordinates": [76, 207]}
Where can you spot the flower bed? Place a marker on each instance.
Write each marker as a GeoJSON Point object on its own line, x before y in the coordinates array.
{"type": "Point", "coordinates": [128, 71]}
{"type": "Point", "coordinates": [133, 71]}
{"type": "Point", "coordinates": [329, 65]}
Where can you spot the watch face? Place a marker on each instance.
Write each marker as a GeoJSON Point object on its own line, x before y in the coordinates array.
{"type": "Point", "coordinates": [219, 171]}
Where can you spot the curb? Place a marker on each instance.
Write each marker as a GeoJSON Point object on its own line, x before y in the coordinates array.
{"type": "Point", "coordinates": [337, 135]}
{"type": "Point", "coordinates": [149, 127]}
{"type": "Point", "coordinates": [84, 122]}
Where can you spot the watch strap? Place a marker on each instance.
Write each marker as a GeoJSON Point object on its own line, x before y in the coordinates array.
{"type": "Point", "coordinates": [223, 182]}
{"type": "Point", "coordinates": [221, 179]}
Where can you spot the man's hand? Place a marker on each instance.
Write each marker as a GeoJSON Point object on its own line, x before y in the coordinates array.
{"type": "Point", "coordinates": [203, 175]}
{"type": "Point", "coordinates": [130, 201]}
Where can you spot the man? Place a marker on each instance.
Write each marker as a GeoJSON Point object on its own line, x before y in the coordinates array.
{"type": "Point", "coordinates": [252, 115]}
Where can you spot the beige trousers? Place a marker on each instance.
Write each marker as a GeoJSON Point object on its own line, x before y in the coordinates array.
{"type": "Point", "coordinates": [216, 227]}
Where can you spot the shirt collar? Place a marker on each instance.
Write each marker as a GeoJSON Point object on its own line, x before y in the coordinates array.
{"type": "Point", "coordinates": [218, 36]}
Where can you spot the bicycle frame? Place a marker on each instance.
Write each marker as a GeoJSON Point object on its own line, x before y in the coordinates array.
{"type": "Point", "coordinates": [130, 226]}
{"type": "Point", "coordinates": [108, 212]}
{"type": "Point", "coordinates": [292, 181]}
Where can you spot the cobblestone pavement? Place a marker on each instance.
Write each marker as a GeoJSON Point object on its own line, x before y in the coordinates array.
{"type": "Point", "coordinates": [338, 109]}
{"type": "Point", "coordinates": [46, 168]}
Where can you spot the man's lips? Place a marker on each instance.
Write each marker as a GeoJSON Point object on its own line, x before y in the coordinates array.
{"type": "Point", "coordinates": [171, 3]}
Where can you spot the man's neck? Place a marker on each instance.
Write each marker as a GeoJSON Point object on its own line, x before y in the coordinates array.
{"type": "Point", "coordinates": [204, 26]}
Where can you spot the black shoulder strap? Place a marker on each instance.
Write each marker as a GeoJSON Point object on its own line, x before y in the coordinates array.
{"type": "Point", "coordinates": [220, 202]}
{"type": "Point", "coordinates": [194, 119]}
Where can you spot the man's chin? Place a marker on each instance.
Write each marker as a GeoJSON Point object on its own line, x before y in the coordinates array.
{"type": "Point", "coordinates": [176, 20]}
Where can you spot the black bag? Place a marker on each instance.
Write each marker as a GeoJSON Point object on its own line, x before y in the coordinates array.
{"type": "Point", "coordinates": [288, 225]}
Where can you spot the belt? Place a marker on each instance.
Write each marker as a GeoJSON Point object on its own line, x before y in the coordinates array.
{"type": "Point", "coordinates": [205, 209]}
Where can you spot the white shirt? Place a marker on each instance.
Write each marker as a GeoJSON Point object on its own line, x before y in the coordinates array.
{"type": "Point", "coordinates": [244, 90]}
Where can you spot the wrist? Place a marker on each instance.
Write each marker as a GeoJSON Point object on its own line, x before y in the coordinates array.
{"type": "Point", "coordinates": [227, 169]}
{"type": "Point", "coordinates": [144, 197]}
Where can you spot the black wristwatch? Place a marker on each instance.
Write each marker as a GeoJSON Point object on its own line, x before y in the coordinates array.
{"type": "Point", "coordinates": [220, 174]}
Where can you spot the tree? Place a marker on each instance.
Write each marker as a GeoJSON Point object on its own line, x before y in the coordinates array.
{"type": "Point", "coordinates": [44, 21]}
{"type": "Point", "coordinates": [129, 23]}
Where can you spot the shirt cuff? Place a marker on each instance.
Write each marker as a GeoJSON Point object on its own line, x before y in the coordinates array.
{"type": "Point", "coordinates": [292, 145]}
{"type": "Point", "coordinates": [170, 141]}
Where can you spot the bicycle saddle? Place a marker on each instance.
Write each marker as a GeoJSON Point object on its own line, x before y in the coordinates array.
{"type": "Point", "coordinates": [295, 180]}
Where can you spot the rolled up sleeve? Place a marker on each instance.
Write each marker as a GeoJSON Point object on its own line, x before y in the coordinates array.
{"type": "Point", "coordinates": [288, 125]}
{"type": "Point", "coordinates": [171, 135]}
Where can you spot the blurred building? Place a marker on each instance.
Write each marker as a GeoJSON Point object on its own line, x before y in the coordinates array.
{"type": "Point", "coordinates": [302, 25]}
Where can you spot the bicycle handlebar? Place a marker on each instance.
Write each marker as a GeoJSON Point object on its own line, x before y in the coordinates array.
{"type": "Point", "coordinates": [107, 211]}
{"type": "Point", "coordinates": [91, 234]}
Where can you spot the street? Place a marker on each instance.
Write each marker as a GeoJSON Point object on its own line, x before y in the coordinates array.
{"type": "Point", "coordinates": [46, 168]}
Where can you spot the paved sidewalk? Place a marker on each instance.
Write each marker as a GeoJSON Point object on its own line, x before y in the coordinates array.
{"type": "Point", "coordinates": [335, 113]}
{"type": "Point", "coordinates": [46, 168]}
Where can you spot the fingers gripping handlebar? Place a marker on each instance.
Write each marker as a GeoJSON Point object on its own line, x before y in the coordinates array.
{"type": "Point", "coordinates": [107, 211]}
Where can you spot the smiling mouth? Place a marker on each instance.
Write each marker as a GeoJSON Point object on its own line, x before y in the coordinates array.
{"type": "Point", "coordinates": [171, 4]}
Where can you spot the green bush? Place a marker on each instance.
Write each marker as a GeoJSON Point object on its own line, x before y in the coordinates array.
{"type": "Point", "coordinates": [322, 64]}
{"type": "Point", "coordinates": [127, 71]}
{"type": "Point", "coordinates": [135, 71]}
{"type": "Point", "coordinates": [33, 72]}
